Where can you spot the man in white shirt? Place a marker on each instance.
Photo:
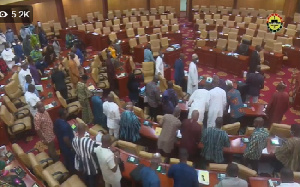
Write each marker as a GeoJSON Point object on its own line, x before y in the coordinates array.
{"type": "Point", "coordinates": [111, 110]}
{"type": "Point", "coordinates": [109, 163]}
{"type": "Point", "coordinates": [199, 100]}
{"type": "Point", "coordinates": [192, 83]}
{"type": "Point", "coordinates": [8, 56]}
{"type": "Point", "coordinates": [159, 65]}
{"type": "Point", "coordinates": [217, 103]}
{"type": "Point", "coordinates": [22, 74]}
{"type": "Point", "coordinates": [2, 40]}
{"type": "Point", "coordinates": [287, 178]}
{"type": "Point", "coordinates": [31, 99]}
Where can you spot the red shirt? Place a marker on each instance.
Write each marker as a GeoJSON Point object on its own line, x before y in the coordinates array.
{"type": "Point", "coordinates": [43, 122]}
{"type": "Point", "coordinates": [191, 136]}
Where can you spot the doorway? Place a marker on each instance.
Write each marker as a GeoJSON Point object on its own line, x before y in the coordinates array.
{"type": "Point", "coordinates": [183, 6]}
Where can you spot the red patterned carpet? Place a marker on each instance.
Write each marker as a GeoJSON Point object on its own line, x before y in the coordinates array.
{"type": "Point", "coordinates": [292, 116]}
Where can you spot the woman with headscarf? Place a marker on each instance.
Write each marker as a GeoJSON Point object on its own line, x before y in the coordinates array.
{"type": "Point", "coordinates": [83, 97]}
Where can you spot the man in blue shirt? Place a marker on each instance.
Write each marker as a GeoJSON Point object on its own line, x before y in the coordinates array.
{"type": "Point", "coordinates": [78, 52]}
{"type": "Point", "coordinates": [65, 135]}
{"type": "Point", "coordinates": [148, 56]}
{"type": "Point", "coordinates": [179, 70]}
{"type": "Point", "coordinates": [183, 174]}
{"type": "Point", "coordinates": [149, 177]}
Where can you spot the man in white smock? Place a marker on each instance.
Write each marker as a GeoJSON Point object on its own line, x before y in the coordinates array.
{"type": "Point", "coordinates": [111, 110]}
{"type": "Point", "coordinates": [192, 82]}
{"type": "Point", "coordinates": [199, 100]}
{"type": "Point", "coordinates": [217, 103]}
{"type": "Point", "coordinates": [159, 65]}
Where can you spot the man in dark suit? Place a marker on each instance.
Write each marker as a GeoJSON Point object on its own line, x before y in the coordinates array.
{"type": "Point", "coordinates": [255, 59]}
{"type": "Point", "coordinates": [255, 82]}
{"type": "Point", "coordinates": [179, 70]}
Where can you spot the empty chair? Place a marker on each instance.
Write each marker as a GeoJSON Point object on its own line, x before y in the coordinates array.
{"type": "Point", "coordinates": [196, 16]}
{"type": "Point", "coordinates": [164, 29]}
{"type": "Point", "coordinates": [148, 71]}
{"type": "Point", "coordinates": [213, 10]}
{"type": "Point", "coordinates": [281, 31]}
{"type": "Point", "coordinates": [98, 31]}
{"type": "Point", "coordinates": [175, 28]}
{"type": "Point", "coordinates": [156, 30]}
{"type": "Point", "coordinates": [14, 125]}
{"type": "Point", "coordinates": [225, 18]}
{"type": "Point", "coordinates": [225, 30]}
{"type": "Point", "coordinates": [199, 21]}
{"type": "Point", "coordinates": [204, 33]}
{"type": "Point", "coordinates": [202, 27]}
{"type": "Point", "coordinates": [174, 21]}
{"type": "Point", "coordinates": [74, 16]}
{"type": "Point", "coordinates": [259, 21]}
{"type": "Point", "coordinates": [90, 19]}
{"type": "Point", "coordinates": [238, 19]}
{"type": "Point", "coordinates": [152, 18]}
{"type": "Point", "coordinates": [256, 41]}
{"type": "Point", "coordinates": [112, 36]}
{"type": "Point", "coordinates": [269, 36]}
{"type": "Point", "coordinates": [71, 23]}
{"type": "Point", "coordinates": [106, 30]}
{"type": "Point", "coordinates": [78, 21]}
{"type": "Point", "coordinates": [180, 93]}
{"type": "Point", "coordinates": [155, 47]}
{"type": "Point", "coordinates": [280, 130]}
{"type": "Point", "coordinates": [263, 27]}
{"type": "Point", "coordinates": [244, 13]}
{"type": "Point", "coordinates": [224, 11]}
{"type": "Point", "coordinates": [99, 25]}
{"type": "Point", "coordinates": [164, 42]}
{"type": "Point", "coordinates": [296, 18]}
{"type": "Point", "coordinates": [269, 45]}
{"type": "Point", "coordinates": [234, 30]}
{"type": "Point", "coordinates": [125, 20]}
{"type": "Point", "coordinates": [254, 13]}
{"type": "Point", "coordinates": [103, 84]}
{"type": "Point", "coordinates": [132, 43]}
{"type": "Point", "coordinates": [143, 18]}
{"type": "Point", "coordinates": [156, 23]}
{"type": "Point", "coordinates": [81, 28]}
{"type": "Point", "coordinates": [235, 12]}
{"type": "Point", "coordinates": [250, 32]}
{"type": "Point", "coordinates": [133, 19]}
{"type": "Point", "coordinates": [200, 43]}
{"type": "Point", "coordinates": [153, 11]}
{"type": "Point", "coordinates": [116, 28]}
{"type": "Point", "coordinates": [232, 36]}
{"type": "Point", "coordinates": [213, 35]}
{"type": "Point", "coordinates": [130, 33]}
{"type": "Point", "coordinates": [100, 17]}
{"type": "Point", "coordinates": [162, 17]}
{"type": "Point", "coordinates": [47, 29]}
{"type": "Point", "coordinates": [247, 37]}
{"type": "Point", "coordinates": [240, 25]}
{"type": "Point", "coordinates": [170, 16]}
{"type": "Point", "coordinates": [291, 26]}
{"type": "Point", "coordinates": [110, 15]}
{"type": "Point", "coordinates": [128, 25]}
{"type": "Point", "coordinates": [141, 31]}
{"type": "Point", "coordinates": [221, 44]}
{"type": "Point", "coordinates": [108, 23]}
{"type": "Point", "coordinates": [230, 24]}
{"type": "Point", "coordinates": [231, 129]}
{"type": "Point", "coordinates": [209, 21]}
{"type": "Point", "coordinates": [96, 14]}
{"type": "Point", "coordinates": [219, 22]}
{"type": "Point", "coordinates": [57, 27]}
{"type": "Point", "coordinates": [247, 19]}
{"type": "Point", "coordinates": [290, 32]}
{"type": "Point", "coordinates": [72, 108]}
{"type": "Point", "coordinates": [89, 27]}
{"type": "Point", "coordinates": [145, 24]}
{"type": "Point", "coordinates": [165, 22]}
{"type": "Point", "coordinates": [261, 34]}
{"type": "Point", "coordinates": [207, 16]}
{"type": "Point", "coordinates": [143, 39]}
{"type": "Point", "coordinates": [118, 13]}
{"type": "Point", "coordinates": [252, 26]}
{"type": "Point", "coordinates": [117, 22]}
{"type": "Point", "coordinates": [217, 16]}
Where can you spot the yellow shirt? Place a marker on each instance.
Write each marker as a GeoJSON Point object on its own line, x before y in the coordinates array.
{"type": "Point", "coordinates": [112, 51]}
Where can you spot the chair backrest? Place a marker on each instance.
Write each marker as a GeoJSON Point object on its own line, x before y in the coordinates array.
{"type": "Point", "coordinates": [151, 18]}
{"type": "Point", "coordinates": [250, 32]}
{"type": "Point", "coordinates": [155, 45]}
{"type": "Point", "coordinates": [238, 19]}
{"type": "Point", "coordinates": [81, 27]}
{"type": "Point", "coordinates": [217, 16]}
{"type": "Point", "coordinates": [221, 44]}
{"type": "Point", "coordinates": [246, 37]}
{"type": "Point", "coordinates": [230, 24]}
{"type": "Point", "coordinates": [130, 33]}
{"type": "Point", "coordinates": [164, 42]}
{"type": "Point", "coordinates": [199, 21]}
{"type": "Point", "coordinates": [112, 36]}
{"type": "Point", "coordinates": [164, 29]}
{"type": "Point", "coordinates": [261, 34]}
{"type": "Point", "coordinates": [133, 19]}
{"type": "Point", "coordinates": [141, 31]}
{"type": "Point", "coordinates": [232, 129]}
{"type": "Point", "coordinates": [280, 130]}
{"type": "Point", "coordinates": [117, 21]}
{"type": "Point", "coordinates": [132, 43]}
{"type": "Point", "coordinates": [89, 27]}
{"type": "Point", "coordinates": [209, 21]}
{"type": "Point", "coordinates": [290, 32]}
{"type": "Point", "coordinates": [156, 30]}
{"type": "Point", "coordinates": [165, 22]}
{"type": "Point", "coordinates": [277, 47]}
{"type": "Point", "coordinates": [21, 154]}
{"type": "Point", "coordinates": [110, 15]}
{"type": "Point", "coordinates": [291, 26]}
{"type": "Point", "coordinates": [207, 16]}
{"type": "Point", "coordinates": [143, 39]}
{"type": "Point", "coordinates": [136, 24]}
{"type": "Point", "coordinates": [125, 20]}
{"type": "Point", "coordinates": [232, 36]}
{"type": "Point", "coordinates": [99, 25]}
{"type": "Point", "coordinates": [225, 30]}
{"type": "Point", "coordinates": [12, 90]}
{"type": "Point", "coordinates": [252, 26]}
{"type": "Point", "coordinates": [106, 30]}
{"type": "Point", "coordinates": [225, 18]}
{"type": "Point", "coordinates": [98, 31]}
{"type": "Point", "coordinates": [61, 100]}
{"type": "Point", "coordinates": [138, 112]}
{"type": "Point", "coordinates": [78, 21]}
{"type": "Point", "coordinates": [108, 23]}
{"type": "Point", "coordinates": [148, 69]}
{"type": "Point", "coordinates": [202, 26]}
{"type": "Point", "coordinates": [100, 17]}
{"type": "Point", "coordinates": [156, 23]}
{"type": "Point", "coordinates": [71, 23]}
{"type": "Point", "coordinates": [269, 36]}
{"type": "Point", "coordinates": [95, 74]}
{"type": "Point", "coordinates": [178, 91]}
{"type": "Point", "coordinates": [128, 25]}
{"type": "Point", "coordinates": [240, 25]}
{"type": "Point", "coordinates": [219, 22]}
{"type": "Point", "coordinates": [36, 166]}
{"type": "Point", "coordinates": [116, 28]}
{"type": "Point", "coordinates": [9, 104]}
{"type": "Point", "coordinates": [145, 23]}
{"type": "Point", "coordinates": [57, 26]}
{"type": "Point", "coordinates": [245, 172]}
{"type": "Point", "coordinates": [176, 161]}
{"type": "Point", "coordinates": [174, 21]}
{"type": "Point", "coordinates": [174, 28]}
{"type": "Point", "coordinates": [144, 18]}
{"type": "Point", "coordinates": [200, 43]}
{"type": "Point", "coordinates": [234, 30]}
{"type": "Point", "coordinates": [263, 27]}
{"type": "Point", "coordinates": [162, 83]}
{"type": "Point", "coordinates": [117, 99]}
{"type": "Point", "coordinates": [213, 35]}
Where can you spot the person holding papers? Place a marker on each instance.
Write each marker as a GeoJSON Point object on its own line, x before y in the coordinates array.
{"type": "Point", "coordinates": [257, 142]}
{"type": "Point", "coordinates": [167, 138]}
{"type": "Point", "coordinates": [232, 179]}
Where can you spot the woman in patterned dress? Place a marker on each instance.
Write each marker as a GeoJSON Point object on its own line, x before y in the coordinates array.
{"type": "Point", "coordinates": [83, 97]}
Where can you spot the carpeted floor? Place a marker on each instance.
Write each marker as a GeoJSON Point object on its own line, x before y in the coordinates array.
{"type": "Point", "coordinates": [292, 116]}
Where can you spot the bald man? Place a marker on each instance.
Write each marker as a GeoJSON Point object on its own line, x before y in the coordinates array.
{"type": "Point", "coordinates": [192, 83]}
{"type": "Point", "coordinates": [257, 142]}
{"type": "Point", "coordinates": [112, 112]}
{"type": "Point", "coordinates": [170, 124]}
{"type": "Point", "coordinates": [191, 134]}
{"type": "Point", "coordinates": [44, 128]}
{"type": "Point", "coordinates": [149, 177]}
{"type": "Point", "coordinates": [31, 99]}
{"type": "Point", "coordinates": [109, 163]}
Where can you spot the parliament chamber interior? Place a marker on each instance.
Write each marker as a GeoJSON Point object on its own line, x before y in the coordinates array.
{"type": "Point", "coordinates": [153, 93]}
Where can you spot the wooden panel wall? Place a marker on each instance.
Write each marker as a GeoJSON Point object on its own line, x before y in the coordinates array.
{"type": "Point", "coordinates": [226, 3]}
{"type": "Point", "coordinates": [174, 3]}
{"type": "Point", "coordinates": [81, 7]}
{"type": "Point", "coordinates": [262, 4]}
{"type": "Point", "coordinates": [126, 4]}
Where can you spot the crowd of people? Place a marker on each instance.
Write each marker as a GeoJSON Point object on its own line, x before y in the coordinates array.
{"type": "Point", "coordinates": [206, 102]}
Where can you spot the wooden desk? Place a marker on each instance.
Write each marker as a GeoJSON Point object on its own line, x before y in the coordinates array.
{"type": "Point", "coordinates": [98, 42]}
{"type": "Point", "coordinates": [293, 56]}
{"type": "Point", "coordinates": [235, 65]}
{"type": "Point", "coordinates": [254, 110]}
{"type": "Point", "coordinates": [29, 178]}
{"type": "Point", "coordinates": [164, 180]}
{"type": "Point", "coordinates": [208, 57]}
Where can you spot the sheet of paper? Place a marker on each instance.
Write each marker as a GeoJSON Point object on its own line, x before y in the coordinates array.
{"type": "Point", "coordinates": [157, 131]}
{"type": "Point", "coordinates": [91, 87]}
{"type": "Point", "coordinates": [39, 88]}
{"type": "Point", "coordinates": [265, 151]}
{"type": "Point", "coordinates": [203, 177]}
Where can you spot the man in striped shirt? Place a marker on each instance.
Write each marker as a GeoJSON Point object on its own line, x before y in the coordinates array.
{"type": "Point", "coordinates": [257, 142]}
{"type": "Point", "coordinates": [214, 139]}
{"type": "Point", "coordinates": [85, 159]}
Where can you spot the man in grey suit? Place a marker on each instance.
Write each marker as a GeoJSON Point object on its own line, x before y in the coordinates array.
{"type": "Point", "coordinates": [231, 179]}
